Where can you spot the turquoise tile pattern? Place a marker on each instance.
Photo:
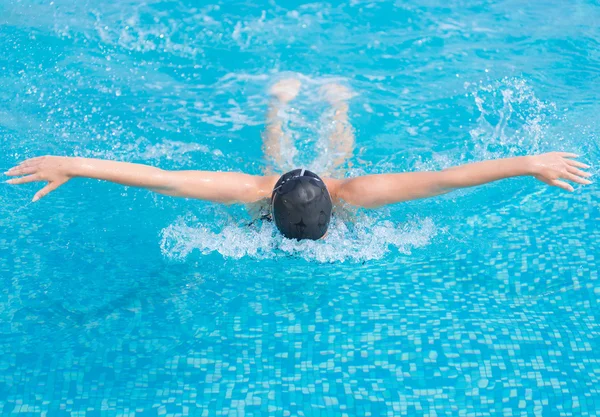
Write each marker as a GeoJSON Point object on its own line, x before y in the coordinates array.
{"type": "Point", "coordinates": [118, 302]}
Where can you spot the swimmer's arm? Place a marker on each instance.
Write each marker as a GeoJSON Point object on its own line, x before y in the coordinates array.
{"type": "Point", "coordinates": [221, 187]}
{"type": "Point", "coordinates": [225, 187]}
{"type": "Point", "coordinates": [382, 189]}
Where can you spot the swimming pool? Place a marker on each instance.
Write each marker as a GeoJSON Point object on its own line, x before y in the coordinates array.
{"type": "Point", "coordinates": [116, 301]}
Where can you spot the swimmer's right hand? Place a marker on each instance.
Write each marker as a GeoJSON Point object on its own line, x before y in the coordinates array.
{"type": "Point", "coordinates": [55, 170]}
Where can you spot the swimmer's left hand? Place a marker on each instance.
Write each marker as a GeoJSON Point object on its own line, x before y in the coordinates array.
{"type": "Point", "coordinates": [553, 167]}
{"type": "Point", "coordinates": [52, 169]}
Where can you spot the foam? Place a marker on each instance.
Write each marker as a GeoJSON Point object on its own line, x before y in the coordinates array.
{"type": "Point", "coordinates": [369, 238]}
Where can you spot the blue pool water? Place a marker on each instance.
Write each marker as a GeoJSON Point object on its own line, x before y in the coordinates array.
{"type": "Point", "coordinates": [116, 301]}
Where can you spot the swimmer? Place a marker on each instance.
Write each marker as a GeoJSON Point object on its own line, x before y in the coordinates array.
{"type": "Point", "coordinates": [301, 202]}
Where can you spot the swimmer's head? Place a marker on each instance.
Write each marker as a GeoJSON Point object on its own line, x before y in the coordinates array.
{"type": "Point", "coordinates": [301, 205]}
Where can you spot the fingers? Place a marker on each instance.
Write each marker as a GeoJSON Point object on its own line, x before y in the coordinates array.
{"type": "Point", "coordinates": [20, 170]}
{"type": "Point", "coordinates": [576, 164]}
{"type": "Point", "coordinates": [576, 179]}
{"type": "Point", "coordinates": [24, 180]}
{"type": "Point", "coordinates": [29, 163]}
{"type": "Point", "coordinates": [44, 191]}
{"type": "Point", "coordinates": [579, 172]}
{"type": "Point", "coordinates": [573, 173]}
{"type": "Point", "coordinates": [562, 184]}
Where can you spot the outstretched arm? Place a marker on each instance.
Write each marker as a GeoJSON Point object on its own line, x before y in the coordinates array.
{"type": "Point", "coordinates": [224, 187]}
{"type": "Point", "coordinates": [378, 190]}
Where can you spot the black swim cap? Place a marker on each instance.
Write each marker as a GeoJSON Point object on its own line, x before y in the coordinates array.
{"type": "Point", "coordinates": [301, 205]}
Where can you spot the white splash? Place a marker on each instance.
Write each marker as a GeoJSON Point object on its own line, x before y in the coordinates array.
{"type": "Point", "coordinates": [367, 239]}
{"type": "Point", "coordinates": [511, 118]}
{"type": "Point", "coordinates": [143, 149]}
